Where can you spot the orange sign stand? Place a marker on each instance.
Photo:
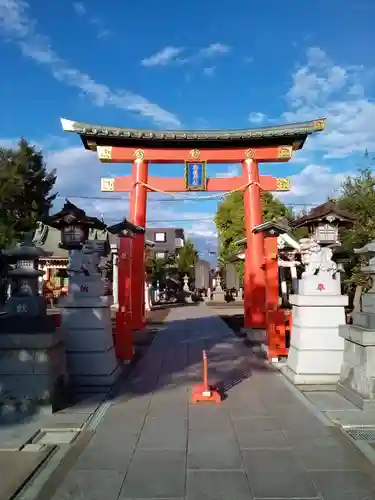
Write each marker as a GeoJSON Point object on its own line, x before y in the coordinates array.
{"type": "Point", "coordinates": [204, 393]}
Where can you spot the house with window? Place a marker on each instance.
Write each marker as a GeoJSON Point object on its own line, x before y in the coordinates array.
{"type": "Point", "coordinates": [167, 241]}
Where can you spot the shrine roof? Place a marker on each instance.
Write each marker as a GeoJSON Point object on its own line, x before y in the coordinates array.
{"type": "Point", "coordinates": [49, 238]}
{"type": "Point", "coordinates": [322, 212]}
{"type": "Point", "coordinates": [291, 134]}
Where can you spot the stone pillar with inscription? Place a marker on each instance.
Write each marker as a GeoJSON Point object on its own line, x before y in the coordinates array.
{"type": "Point", "coordinates": [86, 323]}
{"type": "Point", "coordinates": [32, 352]}
{"type": "Point", "coordinates": [316, 349]}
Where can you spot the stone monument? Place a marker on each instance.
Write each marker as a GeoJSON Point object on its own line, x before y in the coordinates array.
{"type": "Point", "coordinates": [86, 323]}
{"type": "Point", "coordinates": [218, 292]}
{"type": "Point", "coordinates": [316, 349]}
{"type": "Point", "coordinates": [32, 351]}
{"type": "Point", "coordinates": [357, 377]}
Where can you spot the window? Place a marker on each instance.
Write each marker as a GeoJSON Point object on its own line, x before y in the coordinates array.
{"type": "Point", "coordinates": [160, 237]}
{"type": "Point", "coordinates": [179, 242]}
{"type": "Point", "coordinates": [326, 233]}
{"type": "Point", "coordinates": [160, 255]}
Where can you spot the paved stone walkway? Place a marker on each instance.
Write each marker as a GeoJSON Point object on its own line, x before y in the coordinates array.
{"type": "Point", "coordinates": [261, 442]}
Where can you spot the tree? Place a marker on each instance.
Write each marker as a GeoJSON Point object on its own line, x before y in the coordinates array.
{"type": "Point", "coordinates": [186, 259]}
{"type": "Point", "coordinates": [230, 220]}
{"type": "Point", "coordinates": [159, 268]}
{"type": "Point", "coordinates": [25, 191]}
{"type": "Point", "coordinates": [358, 197]}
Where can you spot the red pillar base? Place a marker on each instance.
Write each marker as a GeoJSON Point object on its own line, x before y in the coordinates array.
{"type": "Point", "coordinates": [123, 338]}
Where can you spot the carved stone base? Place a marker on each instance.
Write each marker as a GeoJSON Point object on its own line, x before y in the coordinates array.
{"type": "Point", "coordinates": [316, 349]}
{"type": "Point", "coordinates": [87, 327]}
{"type": "Point", "coordinates": [357, 377]}
{"type": "Point", "coordinates": [308, 378]}
{"type": "Point", "coordinates": [33, 369]}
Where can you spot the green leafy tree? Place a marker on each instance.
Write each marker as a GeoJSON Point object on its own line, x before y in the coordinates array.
{"type": "Point", "coordinates": [25, 191]}
{"type": "Point", "coordinates": [186, 259]}
{"type": "Point", "coordinates": [158, 269]}
{"type": "Point", "coordinates": [358, 197]}
{"type": "Point", "coordinates": [230, 220]}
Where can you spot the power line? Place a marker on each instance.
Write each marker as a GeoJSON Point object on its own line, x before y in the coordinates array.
{"type": "Point", "coordinates": [170, 220]}
{"type": "Point", "coordinates": [163, 200]}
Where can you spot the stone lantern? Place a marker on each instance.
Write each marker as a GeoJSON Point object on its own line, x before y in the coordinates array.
{"type": "Point", "coordinates": [324, 222]}
{"type": "Point", "coordinates": [32, 353]}
{"type": "Point", "coordinates": [74, 225]}
{"type": "Point", "coordinates": [25, 299]}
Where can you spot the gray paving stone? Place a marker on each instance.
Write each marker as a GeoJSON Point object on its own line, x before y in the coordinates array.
{"type": "Point", "coordinates": [329, 401]}
{"type": "Point", "coordinates": [248, 409]}
{"type": "Point", "coordinates": [155, 474]}
{"type": "Point", "coordinates": [208, 417]}
{"type": "Point", "coordinates": [164, 434]}
{"type": "Point", "coordinates": [352, 417]}
{"type": "Point", "coordinates": [343, 485]}
{"type": "Point", "coordinates": [107, 453]}
{"type": "Point", "coordinates": [327, 454]}
{"type": "Point", "coordinates": [256, 424]}
{"type": "Point", "coordinates": [122, 421]}
{"type": "Point", "coordinates": [90, 484]}
{"type": "Point", "coordinates": [213, 449]}
{"type": "Point", "coordinates": [276, 474]}
{"type": "Point", "coordinates": [249, 438]}
{"type": "Point", "coordinates": [208, 485]}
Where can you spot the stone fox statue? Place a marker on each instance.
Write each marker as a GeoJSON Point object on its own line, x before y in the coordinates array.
{"type": "Point", "coordinates": [316, 259]}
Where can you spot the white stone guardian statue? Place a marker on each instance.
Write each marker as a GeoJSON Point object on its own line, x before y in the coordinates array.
{"type": "Point", "coordinates": [316, 259]}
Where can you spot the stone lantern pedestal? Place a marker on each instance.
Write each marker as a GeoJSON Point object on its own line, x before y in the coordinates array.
{"type": "Point", "coordinates": [357, 377]}
{"type": "Point", "coordinates": [32, 353]}
{"type": "Point", "coordinates": [87, 325]}
{"type": "Point", "coordinates": [316, 349]}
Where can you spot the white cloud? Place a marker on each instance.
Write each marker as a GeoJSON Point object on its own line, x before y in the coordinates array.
{"type": "Point", "coordinates": [163, 57]}
{"type": "Point", "coordinates": [214, 49]}
{"type": "Point", "coordinates": [257, 117]}
{"type": "Point", "coordinates": [79, 8]}
{"type": "Point", "coordinates": [313, 185]}
{"type": "Point", "coordinates": [19, 27]}
{"type": "Point", "coordinates": [209, 71]}
{"type": "Point", "coordinates": [233, 170]}
{"type": "Point", "coordinates": [321, 89]}
{"type": "Point", "coordinates": [171, 55]}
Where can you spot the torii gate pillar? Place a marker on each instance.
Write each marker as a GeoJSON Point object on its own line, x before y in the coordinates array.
{"type": "Point", "coordinates": [254, 275]}
{"type": "Point", "coordinates": [138, 205]}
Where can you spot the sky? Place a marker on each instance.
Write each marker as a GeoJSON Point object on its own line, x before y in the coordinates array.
{"type": "Point", "coordinates": [196, 65]}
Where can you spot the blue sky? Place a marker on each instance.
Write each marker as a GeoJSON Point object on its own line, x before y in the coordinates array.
{"type": "Point", "coordinates": [195, 65]}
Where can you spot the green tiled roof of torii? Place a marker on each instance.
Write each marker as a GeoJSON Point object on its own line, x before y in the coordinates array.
{"type": "Point", "coordinates": [293, 134]}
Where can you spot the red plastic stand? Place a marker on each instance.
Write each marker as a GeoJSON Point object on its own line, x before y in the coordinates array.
{"type": "Point", "coordinates": [204, 393]}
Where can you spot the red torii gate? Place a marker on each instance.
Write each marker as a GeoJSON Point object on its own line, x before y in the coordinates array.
{"type": "Point", "coordinates": [196, 149]}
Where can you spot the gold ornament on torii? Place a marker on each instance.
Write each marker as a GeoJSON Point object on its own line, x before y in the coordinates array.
{"type": "Point", "coordinates": [195, 154]}
{"type": "Point", "coordinates": [139, 154]}
{"type": "Point", "coordinates": [285, 152]}
{"type": "Point", "coordinates": [250, 154]}
{"type": "Point", "coordinates": [283, 184]}
{"type": "Point", "coordinates": [104, 152]}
